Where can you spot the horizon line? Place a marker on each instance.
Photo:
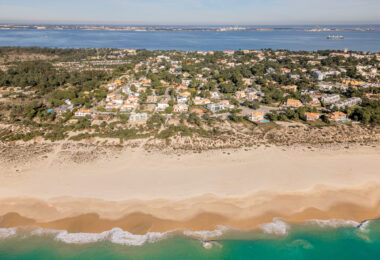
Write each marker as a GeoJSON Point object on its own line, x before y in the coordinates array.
{"type": "Point", "coordinates": [9, 22]}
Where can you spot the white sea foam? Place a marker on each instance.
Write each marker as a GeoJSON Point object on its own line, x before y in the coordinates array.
{"type": "Point", "coordinates": [207, 235]}
{"type": "Point", "coordinates": [207, 245]}
{"type": "Point", "coordinates": [45, 231]}
{"type": "Point", "coordinates": [7, 232]}
{"type": "Point", "coordinates": [277, 227]}
{"type": "Point", "coordinates": [333, 223]}
{"type": "Point", "coordinates": [363, 227]}
{"type": "Point", "coordinates": [116, 235]}
{"type": "Point", "coordinates": [78, 238]}
{"type": "Point", "coordinates": [119, 236]}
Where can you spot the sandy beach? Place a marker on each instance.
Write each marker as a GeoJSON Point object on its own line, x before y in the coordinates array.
{"type": "Point", "coordinates": [141, 191]}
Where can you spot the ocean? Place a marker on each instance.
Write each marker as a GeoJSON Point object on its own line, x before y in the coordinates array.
{"type": "Point", "coordinates": [194, 40]}
{"type": "Point", "coordinates": [277, 240]}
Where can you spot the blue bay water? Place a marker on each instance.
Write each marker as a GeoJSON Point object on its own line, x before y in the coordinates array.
{"type": "Point", "coordinates": [193, 40]}
{"type": "Point", "coordinates": [301, 242]}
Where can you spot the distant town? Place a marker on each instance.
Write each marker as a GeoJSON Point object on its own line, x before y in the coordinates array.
{"type": "Point", "coordinates": [57, 94]}
{"type": "Point", "coordinates": [178, 28]}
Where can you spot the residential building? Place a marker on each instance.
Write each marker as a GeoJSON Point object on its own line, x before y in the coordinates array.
{"type": "Point", "coordinates": [132, 99]}
{"type": "Point", "coordinates": [325, 86]}
{"type": "Point", "coordinates": [351, 82]}
{"type": "Point", "coordinates": [285, 70]}
{"type": "Point", "coordinates": [256, 117]}
{"type": "Point", "coordinates": [240, 94]}
{"type": "Point", "coordinates": [322, 75]}
{"type": "Point", "coordinates": [180, 108]}
{"type": "Point", "coordinates": [229, 52]}
{"type": "Point", "coordinates": [338, 116]}
{"type": "Point", "coordinates": [215, 95]}
{"type": "Point", "coordinates": [83, 113]}
{"type": "Point", "coordinates": [330, 99]}
{"type": "Point", "coordinates": [138, 117]}
{"type": "Point", "coordinates": [111, 106]}
{"type": "Point", "coordinates": [312, 116]}
{"type": "Point", "coordinates": [290, 88]}
{"type": "Point", "coordinates": [247, 81]}
{"type": "Point", "coordinates": [201, 101]}
{"type": "Point", "coordinates": [350, 102]}
{"type": "Point", "coordinates": [185, 94]}
{"type": "Point", "coordinates": [127, 90]}
{"type": "Point", "coordinates": [151, 99]}
{"type": "Point", "coordinates": [127, 106]}
{"type": "Point", "coordinates": [295, 103]}
{"type": "Point", "coordinates": [68, 106]}
{"type": "Point", "coordinates": [227, 104]}
{"type": "Point", "coordinates": [319, 75]}
{"type": "Point", "coordinates": [115, 98]}
{"type": "Point", "coordinates": [372, 96]}
{"type": "Point", "coordinates": [182, 100]}
{"type": "Point", "coordinates": [216, 107]}
{"type": "Point", "coordinates": [222, 105]}
{"type": "Point", "coordinates": [252, 96]}
{"type": "Point", "coordinates": [162, 105]}
{"type": "Point", "coordinates": [314, 100]}
{"type": "Point", "coordinates": [294, 76]}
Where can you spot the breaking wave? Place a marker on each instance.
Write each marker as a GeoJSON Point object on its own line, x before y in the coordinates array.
{"type": "Point", "coordinates": [333, 223]}
{"type": "Point", "coordinates": [207, 235]}
{"type": "Point", "coordinates": [121, 237]}
{"type": "Point", "coordinates": [277, 227]}
{"type": "Point", "coordinates": [116, 235]}
{"type": "Point", "coordinates": [7, 232]}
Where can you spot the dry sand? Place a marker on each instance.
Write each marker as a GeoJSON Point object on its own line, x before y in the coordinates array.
{"type": "Point", "coordinates": [141, 191]}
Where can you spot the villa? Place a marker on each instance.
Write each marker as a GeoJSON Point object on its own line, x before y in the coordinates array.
{"type": "Point", "coordinates": [201, 101]}
{"type": "Point", "coordinates": [338, 116]}
{"type": "Point", "coordinates": [295, 103]}
{"type": "Point", "coordinates": [182, 100]}
{"type": "Point", "coordinates": [312, 116]}
{"type": "Point", "coordinates": [216, 107]}
{"type": "Point", "coordinates": [290, 88]}
{"type": "Point", "coordinates": [83, 113]}
{"type": "Point", "coordinates": [138, 117]}
{"type": "Point", "coordinates": [180, 108]}
{"type": "Point", "coordinates": [329, 99]}
{"type": "Point", "coordinates": [350, 102]}
{"type": "Point", "coordinates": [151, 99]}
{"type": "Point", "coordinates": [256, 117]}
{"type": "Point", "coordinates": [240, 94]}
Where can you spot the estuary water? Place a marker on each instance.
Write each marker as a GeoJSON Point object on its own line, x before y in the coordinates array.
{"type": "Point", "coordinates": [194, 40]}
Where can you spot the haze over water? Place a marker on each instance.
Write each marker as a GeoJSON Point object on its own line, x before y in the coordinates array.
{"type": "Point", "coordinates": [194, 40]}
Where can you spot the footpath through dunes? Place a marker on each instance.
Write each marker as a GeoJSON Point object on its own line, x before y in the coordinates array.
{"type": "Point", "coordinates": [204, 213]}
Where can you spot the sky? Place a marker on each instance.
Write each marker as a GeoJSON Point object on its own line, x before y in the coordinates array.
{"type": "Point", "coordinates": [191, 12]}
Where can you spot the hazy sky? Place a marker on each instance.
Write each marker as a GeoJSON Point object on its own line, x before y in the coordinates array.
{"type": "Point", "coordinates": [235, 12]}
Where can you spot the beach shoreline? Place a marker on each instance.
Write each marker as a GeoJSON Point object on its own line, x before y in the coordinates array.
{"type": "Point", "coordinates": [141, 191]}
{"type": "Point", "coordinates": [205, 213]}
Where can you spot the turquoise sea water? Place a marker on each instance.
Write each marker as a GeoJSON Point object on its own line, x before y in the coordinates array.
{"type": "Point", "coordinates": [301, 242]}
{"type": "Point", "coordinates": [194, 40]}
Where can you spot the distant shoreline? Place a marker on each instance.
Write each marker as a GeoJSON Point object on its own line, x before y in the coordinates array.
{"type": "Point", "coordinates": [357, 28]}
